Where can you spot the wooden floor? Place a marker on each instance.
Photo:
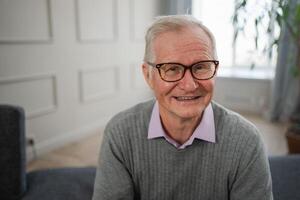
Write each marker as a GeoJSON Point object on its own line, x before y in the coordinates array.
{"type": "Point", "coordinates": [85, 152]}
{"type": "Point", "coordinates": [76, 154]}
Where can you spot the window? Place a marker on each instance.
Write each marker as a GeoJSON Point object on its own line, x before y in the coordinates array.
{"type": "Point", "coordinates": [216, 15]}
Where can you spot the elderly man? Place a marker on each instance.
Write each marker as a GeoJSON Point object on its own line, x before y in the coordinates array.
{"type": "Point", "coordinates": [182, 145]}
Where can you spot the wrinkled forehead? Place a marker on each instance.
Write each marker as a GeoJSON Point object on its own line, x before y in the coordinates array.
{"type": "Point", "coordinates": [195, 31]}
{"type": "Point", "coordinates": [186, 34]}
{"type": "Point", "coordinates": [191, 42]}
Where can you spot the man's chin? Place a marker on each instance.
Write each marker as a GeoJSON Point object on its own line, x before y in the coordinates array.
{"type": "Point", "coordinates": [189, 114]}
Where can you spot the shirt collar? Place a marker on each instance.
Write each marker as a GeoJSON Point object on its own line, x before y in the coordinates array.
{"type": "Point", "coordinates": [204, 131]}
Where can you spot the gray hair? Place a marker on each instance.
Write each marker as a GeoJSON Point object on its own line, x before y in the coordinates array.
{"type": "Point", "coordinates": [164, 24]}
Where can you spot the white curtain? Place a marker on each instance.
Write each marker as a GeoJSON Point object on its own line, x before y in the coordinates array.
{"type": "Point", "coordinates": [174, 7]}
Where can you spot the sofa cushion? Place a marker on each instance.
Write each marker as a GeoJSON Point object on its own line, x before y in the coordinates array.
{"type": "Point", "coordinates": [285, 171]}
{"type": "Point", "coordinates": [61, 184]}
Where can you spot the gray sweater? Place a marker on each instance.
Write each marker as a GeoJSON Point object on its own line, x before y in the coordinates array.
{"type": "Point", "coordinates": [134, 167]}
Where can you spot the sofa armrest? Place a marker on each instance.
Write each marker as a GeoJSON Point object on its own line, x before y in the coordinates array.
{"type": "Point", "coordinates": [12, 148]}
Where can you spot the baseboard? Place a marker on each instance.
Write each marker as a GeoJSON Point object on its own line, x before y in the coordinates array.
{"type": "Point", "coordinates": [64, 139]}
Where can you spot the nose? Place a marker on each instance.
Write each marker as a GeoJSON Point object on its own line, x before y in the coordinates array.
{"type": "Point", "coordinates": [188, 83]}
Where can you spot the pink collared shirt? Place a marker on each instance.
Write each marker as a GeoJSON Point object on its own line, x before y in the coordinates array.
{"type": "Point", "coordinates": [204, 131]}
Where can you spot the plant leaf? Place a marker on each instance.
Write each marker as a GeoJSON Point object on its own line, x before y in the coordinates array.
{"type": "Point", "coordinates": [278, 19]}
{"type": "Point", "coordinates": [295, 71]}
{"type": "Point", "coordinates": [285, 12]}
{"type": "Point", "coordinates": [297, 19]}
{"type": "Point", "coordinates": [297, 15]}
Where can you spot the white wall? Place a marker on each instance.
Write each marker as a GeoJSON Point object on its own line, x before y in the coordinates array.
{"type": "Point", "coordinates": [246, 95]}
{"type": "Point", "coordinates": [72, 64]}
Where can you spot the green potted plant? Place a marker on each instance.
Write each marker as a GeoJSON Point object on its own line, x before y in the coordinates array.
{"type": "Point", "coordinates": [270, 18]}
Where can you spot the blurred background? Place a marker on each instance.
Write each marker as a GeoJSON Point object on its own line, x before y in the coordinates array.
{"type": "Point", "coordinates": [73, 64]}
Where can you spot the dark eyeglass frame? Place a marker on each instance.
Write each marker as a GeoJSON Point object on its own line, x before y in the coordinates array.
{"type": "Point", "coordinates": [158, 66]}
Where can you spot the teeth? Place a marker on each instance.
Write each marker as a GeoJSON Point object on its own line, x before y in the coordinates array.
{"type": "Point", "coordinates": [186, 98]}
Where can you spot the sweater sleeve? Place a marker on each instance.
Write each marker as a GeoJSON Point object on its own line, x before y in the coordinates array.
{"type": "Point", "coordinates": [253, 179]}
{"type": "Point", "coordinates": [113, 180]}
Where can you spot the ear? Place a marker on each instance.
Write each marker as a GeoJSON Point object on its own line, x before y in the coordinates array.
{"type": "Point", "coordinates": [147, 75]}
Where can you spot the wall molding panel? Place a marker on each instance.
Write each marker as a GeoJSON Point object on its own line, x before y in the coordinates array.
{"type": "Point", "coordinates": [96, 20]}
{"type": "Point", "coordinates": [37, 94]}
{"type": "Point", "coordinates": [32, 24]}
{"type": "Point", "coordinates": [98, 84]}
{"type": "Point", "coordinates": [67, 61]}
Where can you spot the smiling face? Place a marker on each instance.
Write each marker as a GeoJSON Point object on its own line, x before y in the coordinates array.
{"type": "Point", "coordinates": [188, 97]}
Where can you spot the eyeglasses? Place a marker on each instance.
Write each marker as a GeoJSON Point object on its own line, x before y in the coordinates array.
{"type": "Point", "coordinates": [172, 72]}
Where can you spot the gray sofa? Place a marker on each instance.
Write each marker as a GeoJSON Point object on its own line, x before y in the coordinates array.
{"type": "Point", "coordinates": [77, 183]}
{"type": "Point", "coordinates": [60, 184]}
